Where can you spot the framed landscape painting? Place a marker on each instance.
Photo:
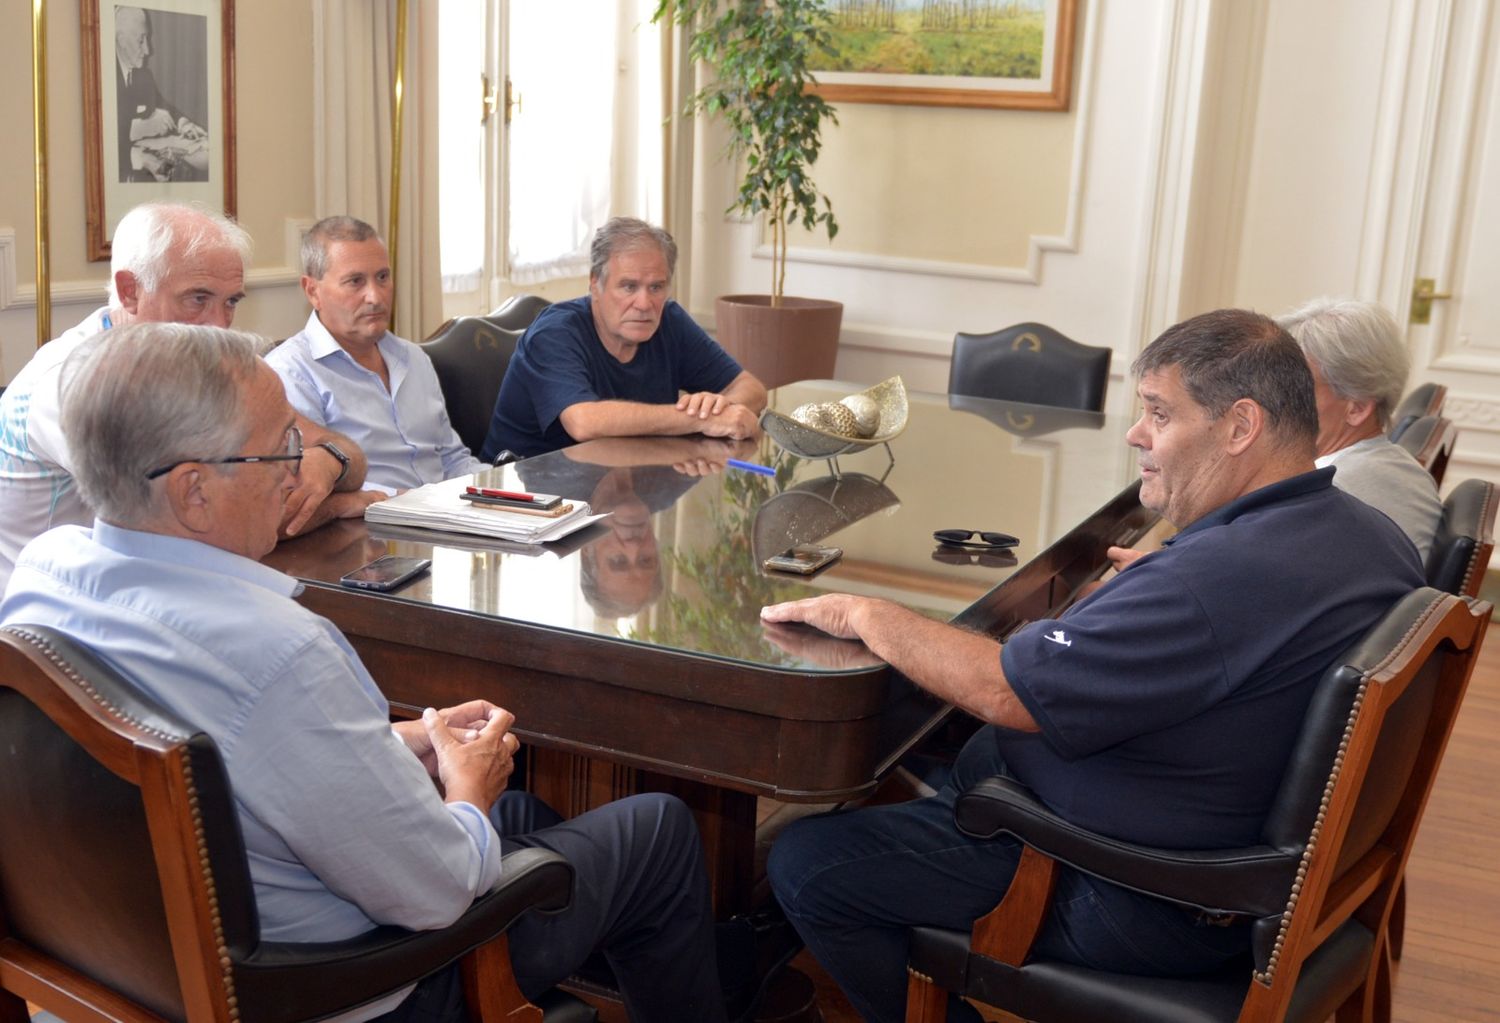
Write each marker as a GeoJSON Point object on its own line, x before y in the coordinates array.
{"type": "Point", "coordinates": [1014, 54]}
{"type": "Point", "coordinates": [158, 97]}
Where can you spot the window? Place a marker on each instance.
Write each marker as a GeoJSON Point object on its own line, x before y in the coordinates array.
{"type": "Point", "coordinates": [521, 196]}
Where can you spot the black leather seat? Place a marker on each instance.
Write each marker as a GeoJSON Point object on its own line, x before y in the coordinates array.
{"type": "Point", "coordinates": [1430, 441]}
{"type": "Point", "coordinates": [1030, 362]}
{"type": "Point", "coordinates": [517, 312]}
{"type": "Point", "coordinates": [124, 886]}
{"type": "Point", "coordinates": [1425, 400]}
{"type": "Point", "coordinates": [1465, 539]}
{"type": "Point", "coordinates": [471, 355]}
{"type": "Point", "coordinates": [1318, 889]}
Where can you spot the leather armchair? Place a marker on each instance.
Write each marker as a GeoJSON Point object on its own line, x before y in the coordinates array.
{"type": "Point", "coordinates": [1465, 539]}
{"type": "Point", "coordinates": [471, 356]}
{"type": "Point", "coordinates": [1424, 400]}
{"type": "Point", "coordinates": [1430, 441]}
{"type": "Point", "coordinates": [125, 889]}
{"type": "Point", "coordinates": [1031, 363]}
{"type": "Point", "coordinates": [1318, 887]}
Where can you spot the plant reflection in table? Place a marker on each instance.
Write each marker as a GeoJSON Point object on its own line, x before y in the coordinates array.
{"type": "Point", "coordinates": [723, 615]}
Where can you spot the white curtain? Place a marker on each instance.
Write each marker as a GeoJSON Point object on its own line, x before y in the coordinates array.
{"type": "Point", "coordinates": [560, 149]}
{"type": "Point", "coordinates": [354, 47]}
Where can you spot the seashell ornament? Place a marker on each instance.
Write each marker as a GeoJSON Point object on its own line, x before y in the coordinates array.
{"type": "Point", "coordinates": [866, 413]}
{"type": "Point", "coordinates": [830, 417]}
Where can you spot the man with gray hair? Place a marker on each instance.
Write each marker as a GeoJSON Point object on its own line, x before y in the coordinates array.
{"type": "Point", "coordinates": [1359, 366]}
{"type": "Point", "coordinates": [622, 361]}
{"type": "Point", "coordinates": [185, 443]}
{"type": "Point", "coordinates": [348, 372]}
{"type": "Point", "coordinates": [169, 263]}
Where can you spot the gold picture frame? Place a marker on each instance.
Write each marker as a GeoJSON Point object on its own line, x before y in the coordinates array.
{"type": "Point", "coordinates": [158, 100]}
{"type": "Point", "coordinates": [929, 54]}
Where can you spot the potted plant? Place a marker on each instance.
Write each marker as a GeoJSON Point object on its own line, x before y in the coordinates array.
{"type": "Point", "coordinates": [758, 51]}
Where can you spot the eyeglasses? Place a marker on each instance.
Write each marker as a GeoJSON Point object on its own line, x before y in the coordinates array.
{"type": "Point", "coordinates": [292, 453]}
{"type": "Point", "coordinates": [960, 538]}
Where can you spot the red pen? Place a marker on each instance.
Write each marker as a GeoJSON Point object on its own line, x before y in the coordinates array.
{"type": "Point", "coordinates": [508, 494]}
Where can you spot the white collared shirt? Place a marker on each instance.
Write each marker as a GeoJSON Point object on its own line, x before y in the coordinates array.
{"type": "Point", "coordinates": [404, 432]}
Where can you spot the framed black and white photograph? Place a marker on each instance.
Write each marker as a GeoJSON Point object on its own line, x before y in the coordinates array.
{"type": "Point", "coordinates": [158, 91]}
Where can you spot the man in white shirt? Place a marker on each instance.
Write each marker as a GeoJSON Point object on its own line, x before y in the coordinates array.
{"type": "Point", "coordinates": [347, 371]}
{"type": "Point", "coordinates": [186, 446]}
{"type": "Point", "coordinates": [169, 263]}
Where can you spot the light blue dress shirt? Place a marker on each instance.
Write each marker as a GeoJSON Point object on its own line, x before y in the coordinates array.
{"type": "Point", "coordinates": [404, 432]}
{"type": "Point", "coordinates": [343, 827]}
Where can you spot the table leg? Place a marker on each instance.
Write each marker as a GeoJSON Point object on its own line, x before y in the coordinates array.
{"type": "Point", "coordinates": [571, 784]}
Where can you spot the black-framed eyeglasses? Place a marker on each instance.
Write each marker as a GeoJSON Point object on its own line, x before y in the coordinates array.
{"type": "Point", "coordinates": [961, 538]}
{"type": "Point", "coordinates": [291, 453]}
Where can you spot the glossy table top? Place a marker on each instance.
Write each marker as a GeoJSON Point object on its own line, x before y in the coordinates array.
{"type": "Point", "coordinates": [678, 564]}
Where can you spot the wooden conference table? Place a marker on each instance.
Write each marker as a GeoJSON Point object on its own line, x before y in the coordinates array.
{"type": "Point", "coordinates": [632, 653]}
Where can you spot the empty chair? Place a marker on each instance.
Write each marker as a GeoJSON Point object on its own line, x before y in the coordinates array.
{"type": "Point", "coordinates": [1317, 890]}
{"type": "Point", "coordinates": [1030, 362]}
{"type": "Point", "coordinates": [471, 354]}
{"type": "Point", "coordinates": [1430, 441]}
{"type": "Point", "coordinates": [1465, 539]}
{"type": "Point", "coordinates": [1426, 400]}
{"type": "Point", "coordinates": [517, 312]}
{"type": "Point", "coordinates": [125, 892]}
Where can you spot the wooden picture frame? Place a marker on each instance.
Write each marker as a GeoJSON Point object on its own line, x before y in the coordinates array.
{"type": "Point", "coordinates": [158, 101]}
{"type": "Point", "coordinates": [941, 42]}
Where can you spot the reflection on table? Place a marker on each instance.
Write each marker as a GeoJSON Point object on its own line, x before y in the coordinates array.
{"type": "Point", "coordinates": [632, 652]}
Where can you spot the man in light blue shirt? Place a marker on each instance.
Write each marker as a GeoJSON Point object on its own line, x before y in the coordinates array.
{"type": "Point", "coordinates": [347, 371]}
{"type": "Point", "coordinates": [185, 446]}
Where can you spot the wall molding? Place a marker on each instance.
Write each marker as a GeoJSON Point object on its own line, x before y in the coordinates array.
{"type": "Point", "coordinates": [7, 267]}
{"type": "Point", "coordinates": [1473, 412]}
{"type": "Point", "coordinates": [1174, 140]}
{"type": "Point", "coordinates": [80, 292]}
{"type": "Point", "coordinates": [1037, 245]}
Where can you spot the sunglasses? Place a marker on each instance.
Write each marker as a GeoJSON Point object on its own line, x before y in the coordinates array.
{"type": "Point", "coordinates": [961, 538]}
{"type": "Point", "coordinates": [994, 557]}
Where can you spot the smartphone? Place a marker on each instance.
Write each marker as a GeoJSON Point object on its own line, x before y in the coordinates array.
{"type": "Point", "coordinates": [386, 573]}
{"type": "Point", "coordinates": [804, 559]}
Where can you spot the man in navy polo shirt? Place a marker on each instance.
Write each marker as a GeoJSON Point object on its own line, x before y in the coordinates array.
{"type": "Point", "coordinates": [1161, 709]}
{"type": "Point", "coordinates": [622, 361]}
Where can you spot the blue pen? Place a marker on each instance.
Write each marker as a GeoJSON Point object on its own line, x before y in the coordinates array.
{"type": "Point", "coordinates": [764, 470]}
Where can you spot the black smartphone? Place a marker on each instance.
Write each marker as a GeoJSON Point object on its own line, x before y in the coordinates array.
{"type": "Point", "coordinates": [386, 573]}
{"type": "Point", "coordinates": [804, 559]}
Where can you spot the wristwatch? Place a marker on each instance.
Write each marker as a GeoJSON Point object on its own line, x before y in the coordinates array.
{"type": "Point", "coordinates": [343, 459]}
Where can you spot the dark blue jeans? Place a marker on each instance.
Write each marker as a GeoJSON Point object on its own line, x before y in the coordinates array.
{"type": "Point", "coordinates": [852, 883]}
{"type": "Point", "coordinates": [640, 895]}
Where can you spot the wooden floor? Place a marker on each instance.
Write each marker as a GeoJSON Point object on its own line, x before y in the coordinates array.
{"type": "Point", "coordinates": [1450, 971]}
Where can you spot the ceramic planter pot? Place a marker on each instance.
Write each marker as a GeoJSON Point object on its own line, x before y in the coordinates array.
{"type": "Point", "coordinates": [797, 340]}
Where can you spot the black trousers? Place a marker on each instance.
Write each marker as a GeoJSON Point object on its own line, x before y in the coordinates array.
{"type": "Point", "coordinates": [640, 896]}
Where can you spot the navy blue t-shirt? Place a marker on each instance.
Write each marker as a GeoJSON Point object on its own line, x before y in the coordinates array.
{"type": "Point", "coordinates": [560, 361]}
{"type": "Point", "coordinates": [1169, 699]}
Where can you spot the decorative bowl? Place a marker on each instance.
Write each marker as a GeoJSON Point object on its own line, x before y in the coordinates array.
{"type": "Point", "coordinates": [810, 442]}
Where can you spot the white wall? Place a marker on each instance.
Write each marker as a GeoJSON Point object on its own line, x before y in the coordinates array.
{"type": "Point", "coordinates": [1086, 259]}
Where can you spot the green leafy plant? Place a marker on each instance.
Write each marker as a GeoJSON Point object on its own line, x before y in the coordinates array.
{"type": "Point", "coordinates": [759, 51]}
